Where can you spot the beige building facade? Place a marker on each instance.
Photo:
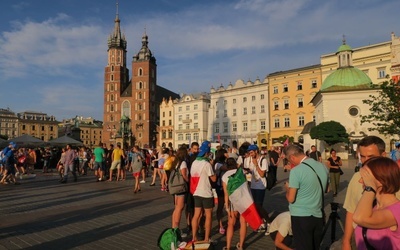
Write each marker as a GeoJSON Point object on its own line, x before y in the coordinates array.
{"type": "Point", "coordinates": [37, 124]}
{"type": "Point", "coordinates": [8, 123]}
{"type": "Point", "coordinates": [290, 93]}
{"type": "Point", "coordinates": [166, 126]}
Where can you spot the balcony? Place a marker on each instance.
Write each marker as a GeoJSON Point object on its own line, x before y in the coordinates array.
{"type": "Point", "coordinates": [187, 121]}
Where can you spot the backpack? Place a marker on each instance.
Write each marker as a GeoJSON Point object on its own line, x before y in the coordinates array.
{"type": "Point", "coordinates": [393, 154]}
{"type": "Point", "coordinates": [4, 156]}
{"type": "Point", "coordinates": [169, 239]}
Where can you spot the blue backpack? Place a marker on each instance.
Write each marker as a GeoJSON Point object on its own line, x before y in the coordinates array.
{"type": "Point", "coordinates": [4, 156]}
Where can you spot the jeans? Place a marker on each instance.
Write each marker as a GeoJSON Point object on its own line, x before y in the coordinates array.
{"type": "Point", "coordinates": [69, 168]}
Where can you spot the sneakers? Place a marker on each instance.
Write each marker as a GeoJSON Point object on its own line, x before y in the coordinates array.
{"type": "Point", "coordinates": [222, 230]}
{"type": "Point", "coordinates": [267, 229]}
{"type": "Point", "coordinates": [142, 181]}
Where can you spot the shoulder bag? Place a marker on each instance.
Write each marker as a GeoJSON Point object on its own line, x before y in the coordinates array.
{"type": "Point", "coordinates": [176, 183]}
{"type": "Point", "coordinates": [322, 192]}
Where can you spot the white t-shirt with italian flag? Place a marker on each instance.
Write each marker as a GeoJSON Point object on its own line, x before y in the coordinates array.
{"type": "Point", "coordinates": [199, 181]}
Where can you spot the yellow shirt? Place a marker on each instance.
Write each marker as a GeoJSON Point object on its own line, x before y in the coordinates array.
{"type": "Point", "coordinates": [117, 154]}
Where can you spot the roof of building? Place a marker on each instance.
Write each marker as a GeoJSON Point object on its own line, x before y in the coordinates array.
{"type": "Point", "coordinates": [307, 128]}
{"type": "Point", "coordinates": [346, 78]}
{"type": "Point", "coordinates": [344, 47]}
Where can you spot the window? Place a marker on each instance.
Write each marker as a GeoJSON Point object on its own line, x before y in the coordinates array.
{"type": "Point", "coordinates": [381, 73]}
{"type": "Point", "coordinates": [244, 99]}
{"type": "Point", "coordinates": [301, 121]}
{"type": "Point", "coordinates": [253, 98]}
{"type": "Point", "coordinates": [299, 85]}
{"type": "Point", "coordinates": [253, 110]}
{"type": "Point", "coordinates": [217, 114]}
{"type": "Point", "coordinates": [195, 116]}
{"type": "Point", "coordinates": [262, 125]}
{"type": "Point", "coordinates": [195, 125]}
{"type": "Point", "coordinates": [262, 109]}
{"type": "Point", "coordinates": [216, 104]}
{"type": "Point", "coordinates": [262, 97]}
{"type": "Point", "coordinates": [42, 128]}
{"type": "Point", "coordinates": [354, 111]}
{"type": "Point", "coordinates": [23, 127]}
{"type": "Point", "coordinates": [187, 116]}
{"type": "Point", "coordinates": [180, 109]}
{"type": "Point", "coordinates": [180, 126]}
{"type": "Point", "coordinates": [187, 126]}
{"type": "Point", "coordinates": [244, 126]}
{"type": "Point", "coordinates": [234, 100]}
{"type": "Point", "coordinates": [170, 113]}
{"type": "Point", "coordinates": [196, 136]}
{"type": "Point", "coordinates": [313, 84]}
{"type": "Point", "coordinates": [33, 127]}
{"type": "Point", "coordinates": [169, 133]}
{"type": "Point", "coordinates": [170, 123]}
{"type": "Point", "coordinates": [225, 127]}
{"type": "Point", "coordinates": [245, 111]}
{"type": "Point", "coordinates": [163, 114]}
{"type": "Point", "coordinates": [234, 112]}
{"type": "Point", "coordinates": [196, 106]}
{"type": "Point", "coordinates": [216, 128]}
{"type": "Point", "coordinates": [276, 105]}
{"type": "Point", "coordinates": [234, 127]}
{"type": "Point", "coordinates": [313, 118]}
{"type": "Point", "coordinates": [225, 102]}
{"type": "Point", "coordinates": [276, 123]}
{"type": "Point", "coordinates": [275, 89]}
{"type": "Point", "coordinates": [187, 108]}
{"type": "Point", "coordinates": [225, 113]}
{"type": "Point", "coordinates": [164, 134]}
{"type": "Point", "coordinates": [179, 117]}
{"type": "Point", "coordinates": [285, 87]}
{"type": "Point", "coordinates": [286, 103]}
{"type": "Point", "coordinates": [287, 122]}
{"type": "Point", "coordinates": [140, 72]}
{"type": "Point", "coordinates": [300, 102]}
{"type": "Point", "coordinates": [163, 123]}
{"type": "Point", "coordinates": [180, 137]}
{"type": "Point", "coordinates": [187, 137]}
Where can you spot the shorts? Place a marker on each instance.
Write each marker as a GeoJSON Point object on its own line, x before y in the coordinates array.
{"type": "Point", "coordinates": [136, 175]}
{"type": "Point", "coordinates": [115, 165]}
{"type": "Point", "coordinates": [162, 171]}
{"type": "Point", "coordinates": [98, 165]}
{"type": "Point", "coordinates": [10, 169]}
{"type": "Point", "coordinates": [203, 202]}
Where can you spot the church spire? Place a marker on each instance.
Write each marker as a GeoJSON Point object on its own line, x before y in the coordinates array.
{"type": "Point", "coordinates": [116, 39]}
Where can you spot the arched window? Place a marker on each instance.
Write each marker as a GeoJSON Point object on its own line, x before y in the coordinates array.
{"type": "Point", "coordinates": [112, 98]}
{"type": "Point", "coordinates": [140, 73]}
{"type": "Point", "coordinates": [112, 87]}
{"type": "Point", "coordinates": [140, 85]}
{"type": "Point", "coordinates": [139, 96]}
{"type": "Point", "coordinates": [126, 109]}
{"type": "Point", "coordinates": [112, 108]}
{"type": "Point", "coordinates": [111, 77]}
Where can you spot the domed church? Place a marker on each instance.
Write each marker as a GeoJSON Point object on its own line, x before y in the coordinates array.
{"type": "Point", "coordinates": [341, 95]}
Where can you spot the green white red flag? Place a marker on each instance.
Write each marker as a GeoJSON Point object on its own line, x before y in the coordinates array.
{"type": "Point", "coordinates": [242, 200]}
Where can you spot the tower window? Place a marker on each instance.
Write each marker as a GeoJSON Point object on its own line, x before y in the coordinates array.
{"type": "Point", "coordinates": [140, 73]}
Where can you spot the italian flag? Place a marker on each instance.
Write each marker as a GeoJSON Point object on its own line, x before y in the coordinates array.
{"type": "Point", "coordinates": [241, 199]}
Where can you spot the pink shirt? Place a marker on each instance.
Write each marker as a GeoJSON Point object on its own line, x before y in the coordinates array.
{"type": "Point", "coordinates": [381, 238]}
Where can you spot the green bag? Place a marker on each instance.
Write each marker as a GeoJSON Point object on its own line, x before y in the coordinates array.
{"type": "Point", "coordinates": [168, 237]}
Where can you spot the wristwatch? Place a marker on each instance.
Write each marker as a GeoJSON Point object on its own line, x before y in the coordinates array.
{"type": "Point", "coordinates": [369, 189]}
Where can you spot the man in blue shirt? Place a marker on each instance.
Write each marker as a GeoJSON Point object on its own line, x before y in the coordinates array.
{"type": "Point", "coordinates": [305, 203]}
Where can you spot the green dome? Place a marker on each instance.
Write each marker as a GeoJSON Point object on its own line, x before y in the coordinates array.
{"type": "Point", "coordinates": [345, 79]}
{"type": "Point", "coordinates": [344, 47]}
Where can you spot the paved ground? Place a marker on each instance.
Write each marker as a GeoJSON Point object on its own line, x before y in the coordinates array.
{"type": "Point", "coordinates": [41, 213]}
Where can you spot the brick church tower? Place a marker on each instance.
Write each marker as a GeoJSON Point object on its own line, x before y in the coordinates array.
{"type": "Point", "coordinates": [131, 106]}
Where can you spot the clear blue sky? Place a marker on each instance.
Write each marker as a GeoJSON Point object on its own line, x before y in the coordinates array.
{"type": "Point", "coordinates": [53, 52]}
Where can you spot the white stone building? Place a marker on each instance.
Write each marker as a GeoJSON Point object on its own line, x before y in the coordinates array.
{"type": "Point", "coordinates": [239, 112]}
{"type": "Point", "coordinates": [191, 118]}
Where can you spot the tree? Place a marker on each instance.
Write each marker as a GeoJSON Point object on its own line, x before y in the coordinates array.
{"type": "Point", "coordinates": [384, 107]}
{"type": "Point", "coordinates": [330, 132]}
{"type": "Point", "coordinates": [5, 137]}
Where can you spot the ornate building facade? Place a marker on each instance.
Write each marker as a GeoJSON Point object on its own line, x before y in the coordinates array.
{"type": "Point", "coordinates": [85, 129]}
{"type": "Point", "coordinates": [8, 123]}
{"type": "Point", "coordinates": [166, 127]}
{"type": "Point", "coordinates": [37, 124]}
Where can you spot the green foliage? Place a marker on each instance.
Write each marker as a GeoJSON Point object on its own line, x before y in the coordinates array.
{"type": "Point", "coordinates": [282, 139]}
{"type": "Point", "coordinates": [5, 137]}
{"type": "Point", "coordinates": [330, 132]}
{"type": "Point", "coordinates": [384, 107]}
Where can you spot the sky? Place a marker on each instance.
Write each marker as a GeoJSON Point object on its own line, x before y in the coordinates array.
{"type": "Point", "coordinates": [53, 52]}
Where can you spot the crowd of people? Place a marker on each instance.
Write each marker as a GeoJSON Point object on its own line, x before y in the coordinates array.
{"type": "Point", "coordinates": [371, 202]}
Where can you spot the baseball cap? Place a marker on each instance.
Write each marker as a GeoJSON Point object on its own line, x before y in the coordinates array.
{"type": "Point", "coordinates": [252, 147]}
{"type": "Point", "coordinates": [13, 144]}
{"type": "Point", "coordinates": [204, 148]}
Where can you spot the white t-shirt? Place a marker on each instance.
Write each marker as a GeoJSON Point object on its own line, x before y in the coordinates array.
{"type": "Point", "coordinates": [282, 224]}
{"type": "Point", "coordinates": [199, 173]}
{"type": "Point", "coordinates": [228, 173]}
{"type": "Point", "coordinates": [183, 166]}
{"type": "Point", "coordinates": [257, 182]}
